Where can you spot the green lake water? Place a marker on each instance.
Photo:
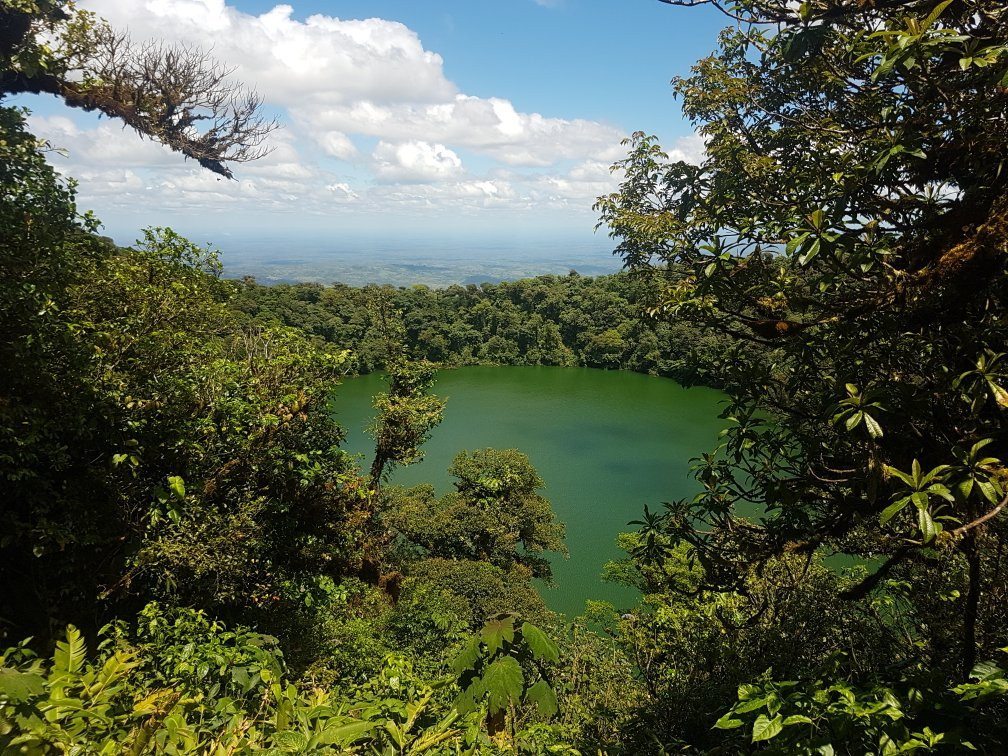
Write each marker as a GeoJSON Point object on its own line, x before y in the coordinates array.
{"type": "Point", "coordinates": [605, 442]}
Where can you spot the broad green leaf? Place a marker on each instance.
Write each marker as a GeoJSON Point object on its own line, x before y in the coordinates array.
{"type": "Point", "coordinates": [989, 490]}
{"type": "Point", "coordinates": [727, 722]}
{"type": "Point", "coordinates": [805, 43]}
{"type": "Point", "coordinates": [963, 489]}
{"type": "Point", "coordinates": [1000, 395]}
{"type": "Point", "coordinates": [796, 719]}
{"type": "Point", "coordinates": [810, 253]}
{"type": "Point", "coordinates": [893, 509]}
{"type": "Point", "coordinates": [927, 525]}
{"type": "Point", "coordinates": [497, 631]}
{"type": "Point", "coordinates": [986, 669]}
{"type": "Point", "coordinates": [938, 489]}
{"type": "Point", "coordinates": [345, 734]}
{"type": "Point", "coordinates": [503, 681]}
{"type": "Point", "coordinates": [890, 470]}
{"type": "Point", "coordinates": [542, 695]}
{"type": "Point", "coordinates": [240, 675]}
{"type": "Point", "coordinates": [468, 657]}
{"type": "Point", "coordinates": [975, 449]}
{"type": "Point", "coordinates": [796, 242]}
{"type": "Point", "coordinates": [874, 429]}
{"type": "Point", "coordinates": [20, 686]}
{"type": "Point", "coordinates": [932, 474]}
{"type": "Point", "coordinates": [542, 647]}
{"type": "Point", "coordinates": [751, 705]}
{"type": "Point", "coordinates": [177, 486]}
{"type": "Point", "coordinates": [468, 700]}
{"type": "Point", "coordinates": [765, 728]}
{"type": "Point", "coordinates": [933, 16]}
{"type": "Point", "coordinates": [396, 733]}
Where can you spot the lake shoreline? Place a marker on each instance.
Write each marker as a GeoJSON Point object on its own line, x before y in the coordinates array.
{"type": "Point", "coordinates": [606, 442]}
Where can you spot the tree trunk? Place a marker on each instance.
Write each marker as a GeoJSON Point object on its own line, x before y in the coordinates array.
{"type": "Point", "coordinates": [969, 651]}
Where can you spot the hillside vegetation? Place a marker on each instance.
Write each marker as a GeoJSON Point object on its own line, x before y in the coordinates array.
{"type": "Point", "coordinates": [550, 320]}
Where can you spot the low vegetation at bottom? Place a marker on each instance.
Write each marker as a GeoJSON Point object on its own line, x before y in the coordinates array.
{"type": "Point", "coordinates": [179, 683]}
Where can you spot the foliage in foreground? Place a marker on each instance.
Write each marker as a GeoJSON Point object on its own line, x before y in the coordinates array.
{"type": "Point", "coordinates": [828, 715]}
{"type": "Point", "coordinates": [179, 683]}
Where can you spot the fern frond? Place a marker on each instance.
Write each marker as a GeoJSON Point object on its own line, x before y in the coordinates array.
{"type": "Point", "coordinates": [114, 671]}
{"type": "Point", "coordinates": [69, 655]}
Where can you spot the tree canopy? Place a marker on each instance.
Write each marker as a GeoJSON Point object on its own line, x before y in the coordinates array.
{"type": "Point", "coordinates": [495, 515]}
{"type": "Point", "coordinates": [849, 220]}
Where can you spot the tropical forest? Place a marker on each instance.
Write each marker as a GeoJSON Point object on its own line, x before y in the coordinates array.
{"type": "Point", "coordinates": [200, 551]}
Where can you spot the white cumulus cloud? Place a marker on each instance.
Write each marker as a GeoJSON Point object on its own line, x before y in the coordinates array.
{"type": "Point", "coordinates": [415, 161]}
{"type": "Point", "coordinates": [369, 122]}
{"type": "Point", "coordinates": [488, 125]}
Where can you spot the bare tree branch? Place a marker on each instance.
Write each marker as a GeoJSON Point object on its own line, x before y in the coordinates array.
{"type": "Point", "coordinates": [962, 530]}
{"type": "Point", "coordinates": [178, 95]}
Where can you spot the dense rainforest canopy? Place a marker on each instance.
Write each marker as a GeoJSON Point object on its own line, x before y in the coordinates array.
{"type": "Point", "coordinates": [201, 568]}
{"type": "Point", "coordinates": [550, 320]}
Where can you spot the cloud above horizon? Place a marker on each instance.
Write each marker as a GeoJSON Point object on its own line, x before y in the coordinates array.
{"type": "Point", "coordinates": [370, 124]}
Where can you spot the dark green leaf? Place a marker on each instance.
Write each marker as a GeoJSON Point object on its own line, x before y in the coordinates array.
{"type": "Point", "coordinates": [497, 631]}
{"type": "Point", "coordinates": [892, 510]}
{"type": "Point", "coordinates": [542, 647]}
{"type": "Point", "coordinates": [503, 681]}
{"type": "Point", "coordinates": [542, 695]}
{"type": "Point", "coordinates": [468, 657]}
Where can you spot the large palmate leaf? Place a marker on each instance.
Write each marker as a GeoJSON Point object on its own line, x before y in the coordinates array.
{"type": "Point", "coordinates": [503, 681]}
{"type": "Point", "coordinates": [20, 686]}
{"type": "Point", "coordinates": [497, 631]}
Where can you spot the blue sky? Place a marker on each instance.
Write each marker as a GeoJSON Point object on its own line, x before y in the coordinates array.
{"type": "Point", "coordinates": [428, 119]}
{"type": "Point", "coordinates": [609, 60]}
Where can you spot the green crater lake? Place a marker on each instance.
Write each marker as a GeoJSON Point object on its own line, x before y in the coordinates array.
{"type": "Point", "coordinates": [605, 442]}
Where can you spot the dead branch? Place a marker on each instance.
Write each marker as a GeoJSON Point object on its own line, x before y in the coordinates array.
{"type": "Point", "coordinates": [177, 94]}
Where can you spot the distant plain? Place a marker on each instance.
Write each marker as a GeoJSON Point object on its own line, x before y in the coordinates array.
{"type": "Point", "coordinates": [404, 263]}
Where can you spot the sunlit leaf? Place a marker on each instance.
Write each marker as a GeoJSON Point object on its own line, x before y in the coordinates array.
{"type": "Point", "coordinates": [765, 728]}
